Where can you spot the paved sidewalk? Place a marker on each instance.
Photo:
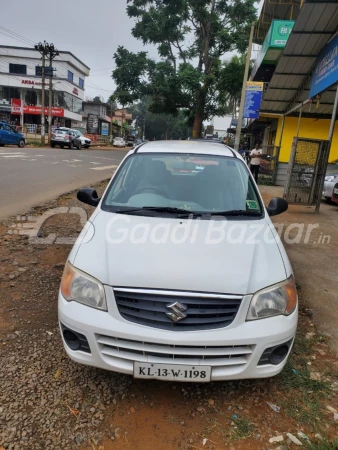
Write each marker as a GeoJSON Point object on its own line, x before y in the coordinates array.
{"type": "Point", "coordinates": [315, 263]}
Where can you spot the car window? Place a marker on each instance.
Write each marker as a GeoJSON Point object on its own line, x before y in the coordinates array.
{"type": "Point", "coordinates": [193, 183]}
{"type": "Point", "coordinates": [10, 129]}
{"type": "Point", "coordinates": [60, 131]}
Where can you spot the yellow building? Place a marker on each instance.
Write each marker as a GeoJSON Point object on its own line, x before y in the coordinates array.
{"type": "Point", "coordinates": [292, 39]}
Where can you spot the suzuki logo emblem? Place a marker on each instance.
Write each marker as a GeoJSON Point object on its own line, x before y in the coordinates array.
{"type": "Point", "coordinates": [177, 311]}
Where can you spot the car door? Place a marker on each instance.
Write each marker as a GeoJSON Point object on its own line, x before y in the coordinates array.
{"type": "Point", "coordinates": [11, 135]}
{"type": "Point", "coordinates": [76, 139]}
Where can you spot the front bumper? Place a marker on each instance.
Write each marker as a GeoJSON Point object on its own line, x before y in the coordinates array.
{"type": "Point", "coordinates": [233, 352]}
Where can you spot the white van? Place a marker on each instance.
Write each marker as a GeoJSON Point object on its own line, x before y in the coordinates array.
{"type": "Point", "coordinates": [179, 273]}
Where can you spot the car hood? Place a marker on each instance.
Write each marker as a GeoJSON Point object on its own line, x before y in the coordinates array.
{"type": "Point", "coordinates": [149, 256]}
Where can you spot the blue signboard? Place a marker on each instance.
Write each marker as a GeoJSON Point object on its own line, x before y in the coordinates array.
{"type": "Point", "coordinates": [104, 129]}
{"type": "Point", "coordinates": [325, 73]}
{"type": "Point", "coordinates": [253, 99]}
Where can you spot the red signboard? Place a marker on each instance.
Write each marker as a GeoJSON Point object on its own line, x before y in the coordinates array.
{"type": "Point", "coordinates": [16, 106]}
{"type": "Point", "coordinates": [75, 91]}
{"type": "Point", "coordinates": [56, 112]}
{"type": "Point", "coordinates": [31, 82]}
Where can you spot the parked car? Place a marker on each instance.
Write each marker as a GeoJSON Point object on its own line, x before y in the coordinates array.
{"type": "Point", "coordinates": [330, 180]}
{"type": "Point", "coordinates": [119, 142]}
{"type": "Point", "coordinates": [85, 141]}
{"type": "Point", "coordinates": [65, 137]}
{"type": "Point", "coordinates": [155, 286]}
{"type": "Point", "coordinates": [334, 197]}
{"type": "Point", "coordinates": [10, 136]}
{"type": "Point", "coordinates": [130, 141]}
{"type": "Point", "coordinates": [137, 142]}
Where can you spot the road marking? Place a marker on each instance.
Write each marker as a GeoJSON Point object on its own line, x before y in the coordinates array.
{"type": "Point", "coordinates": [12, 153]}
{"type": "Point", "coordinates": [95, 163]}
{"type": "Point", "coordinates": [13, 156]}
{"type": "Point", "coordinates": [103, 168]}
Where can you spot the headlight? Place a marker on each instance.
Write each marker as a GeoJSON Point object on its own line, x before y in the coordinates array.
{"type": "Point", "coordinates": [329, 178]}
{"type": "Point", "coordinates": [79, 287]}
{"type": "Point", "coordinates": [274, 300]}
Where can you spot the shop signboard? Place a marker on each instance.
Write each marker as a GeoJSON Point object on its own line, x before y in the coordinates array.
{"type": "Point", "coordinates": [104, 129]}
{"type": "Point", "coordinates": [16, 106]}
{"type": "Point", "coordinates": [325, 73]}
{"type": "Point", "coordinates": [36, 110]}
{"type": "Point", "coordinates": [92, 124]}
{"type": "Point", "coordinates": [253, 99]}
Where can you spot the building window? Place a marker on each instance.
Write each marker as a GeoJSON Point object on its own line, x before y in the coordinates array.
{"type": "Point", "coordinates": [31, 98]}
{"type": "Point", "coordinates": [70, 76]}
{"type": "Point", "coordinates": [20, 69]}
{"type": "Point", "coordinates": [81, 83]}
{"type": "Point", "coordinates": [38, 71]}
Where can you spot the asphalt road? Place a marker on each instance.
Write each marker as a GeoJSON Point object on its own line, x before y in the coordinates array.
{"type": "Point", "coordinates": [32, 176]}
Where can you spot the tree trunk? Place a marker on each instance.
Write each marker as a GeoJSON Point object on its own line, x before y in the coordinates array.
{"type": "Point", "coordinates": [197, 127]}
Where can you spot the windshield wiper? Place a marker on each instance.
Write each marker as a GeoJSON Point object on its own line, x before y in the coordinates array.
{"type": "Point", "coordinates": [236, 212]}
{"type": "Point", "coordinates": [160, 209]}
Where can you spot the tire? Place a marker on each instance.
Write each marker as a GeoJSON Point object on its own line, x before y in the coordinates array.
{"type": "Point", "coordinates": [52, 145]}
{"type": "Point", "coordinates": [79, 147]}
{"type": "Point", "coordinates": [21, 143]}
{"type": "Point", "coordinates": [71, 146]}
{"type": "Point", "coordinates": [328, 199]}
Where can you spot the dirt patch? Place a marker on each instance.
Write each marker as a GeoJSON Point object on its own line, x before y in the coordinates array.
{"type": "Point", "coordinates": [49, 402]}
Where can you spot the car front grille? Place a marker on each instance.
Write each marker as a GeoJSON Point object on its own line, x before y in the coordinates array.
{"type": "Point", "coordinates": [202, 311]}
{"type": "Point", "coordinates": [129, 350]}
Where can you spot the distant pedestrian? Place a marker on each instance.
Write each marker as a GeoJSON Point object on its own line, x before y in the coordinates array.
{"type": "Point", "coordinates": [255, 161]}
{"type": "Point", "coordinates": [241, 151]}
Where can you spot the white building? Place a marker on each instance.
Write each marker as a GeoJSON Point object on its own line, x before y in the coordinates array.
{"type": "Point", "coordinates": [220, 124]}
{"type": "Point", "coordinates": [20, 79]}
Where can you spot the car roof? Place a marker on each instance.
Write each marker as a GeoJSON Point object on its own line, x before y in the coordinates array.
{"type": "Point", "coordinates": [198, 147]}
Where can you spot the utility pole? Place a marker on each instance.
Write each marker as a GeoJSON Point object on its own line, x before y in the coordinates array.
{"type": "Point", "coordinates": [245, 79]}
{"type": "Point", "coordinates": [52, 53]}
{"type": "Point", "coordinates": [46, 50]}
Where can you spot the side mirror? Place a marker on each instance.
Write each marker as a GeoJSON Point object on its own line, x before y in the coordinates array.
{"type": "Point", "coordinates": [88, 196]}
{"type": "Point", "coordinates": [277, 206]}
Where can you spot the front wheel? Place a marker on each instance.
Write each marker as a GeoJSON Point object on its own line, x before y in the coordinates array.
{"type": "Point", "coordinates": [21, 143]}
{"type": "Point", "coordinates": [71, 145]}
{"type": "Point", "coordinates": [79, 147]}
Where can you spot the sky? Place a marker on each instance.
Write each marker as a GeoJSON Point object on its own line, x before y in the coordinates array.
{"type": "Point", "coordinates": [90, 30]}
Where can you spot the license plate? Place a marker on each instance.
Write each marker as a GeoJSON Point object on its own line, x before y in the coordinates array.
{"type": "Point", "coordinates": [59, 138]}
{"type": "Point", "coordinates": [172, 372]}
{"type": "Point", "coordinates": [335, 191]}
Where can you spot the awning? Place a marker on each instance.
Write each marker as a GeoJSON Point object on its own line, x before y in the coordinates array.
{"type": "Point", "coordinates": [316, 24]}
{"type": "Point", "coordinates": [275, 9]}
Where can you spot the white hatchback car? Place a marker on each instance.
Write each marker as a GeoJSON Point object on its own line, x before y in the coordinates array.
{"type": "Point", "coordinates": [119, 142]}
{"type": "Point", "coordinates": [179, 273]}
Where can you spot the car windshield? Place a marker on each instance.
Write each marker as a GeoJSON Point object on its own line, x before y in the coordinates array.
{"type": "Point", "coordinates": [61, 131]}
{"type": "Point", "coordinates": [177, 183]}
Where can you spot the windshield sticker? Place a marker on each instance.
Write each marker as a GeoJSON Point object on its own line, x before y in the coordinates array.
{"type": "Point", "coordinates": [252, 204]}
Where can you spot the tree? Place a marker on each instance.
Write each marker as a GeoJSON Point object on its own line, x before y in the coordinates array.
{"type": "Point", "coordinates": [231, 81]}
{"type": "Point", "coordinates": [158, 126]}
{"type": "Point", "coordinates": [97, 99]}
{"type": "Point", "coordinates": [191, 37]}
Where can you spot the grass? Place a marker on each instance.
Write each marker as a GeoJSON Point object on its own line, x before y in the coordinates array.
{"type": "Point", "coordinates": [306, 409]}
{"type": "Point", "coordinates": [297, 376]}
{"type": "Point", "coordinates": [322, 445]}
{"type": "Point", "coordinates": [35, 143]}
{"type": "Point", "coordinates": [243, 429]}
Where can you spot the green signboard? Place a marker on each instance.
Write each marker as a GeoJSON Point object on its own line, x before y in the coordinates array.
{"type": "Point", "coordinates": [273, 45]}
{"type": "Point", "coordinates": [280, 32]}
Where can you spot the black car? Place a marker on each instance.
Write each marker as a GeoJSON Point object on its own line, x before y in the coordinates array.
{"type": "Point", "coordinates": [65, 137]}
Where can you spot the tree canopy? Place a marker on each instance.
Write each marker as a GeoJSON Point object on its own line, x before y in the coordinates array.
{"type": "Point", "coordinates": [191, 37]}
{"type": "Point", "coordinates": [158, 126]}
